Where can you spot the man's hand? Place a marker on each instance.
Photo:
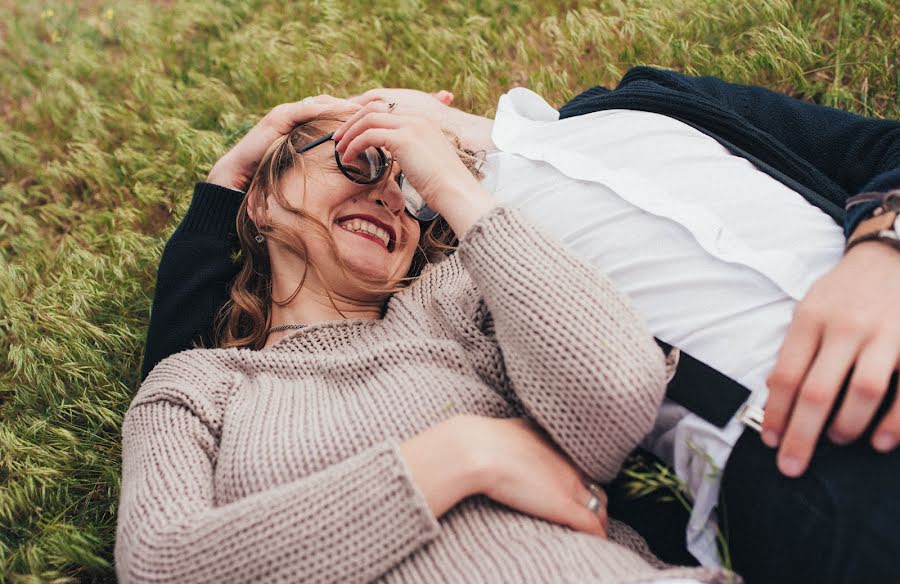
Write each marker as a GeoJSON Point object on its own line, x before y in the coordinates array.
{"type": "Point", "coordinates": [235, 170]}
{"type": "Point", "coordinates": [849, 318]}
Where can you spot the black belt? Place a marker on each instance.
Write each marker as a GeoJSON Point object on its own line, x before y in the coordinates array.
{"type": "Point", "coordinates": [710, 394]}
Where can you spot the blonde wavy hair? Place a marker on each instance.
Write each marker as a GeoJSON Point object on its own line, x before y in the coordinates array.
{"type": "Point", "coordinates": [245, 319]}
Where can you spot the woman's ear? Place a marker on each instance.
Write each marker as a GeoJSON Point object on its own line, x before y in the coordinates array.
{"type": "Point", "coordinates": [258, 214]}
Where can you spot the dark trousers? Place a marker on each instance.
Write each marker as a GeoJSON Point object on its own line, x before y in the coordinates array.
{"type": "Point", "coordinates": [839, 522]}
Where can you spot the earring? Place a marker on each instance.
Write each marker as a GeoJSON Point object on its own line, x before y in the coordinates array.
{"type": "Point", "coordinates": [259, 238]}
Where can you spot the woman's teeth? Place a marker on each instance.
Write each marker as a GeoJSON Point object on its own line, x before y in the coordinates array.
{"type": "Point", "coordinates": [355, 225]}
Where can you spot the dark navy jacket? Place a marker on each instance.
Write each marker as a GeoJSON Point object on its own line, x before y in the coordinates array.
{"type": "Point", "coordinates": [824, 154]}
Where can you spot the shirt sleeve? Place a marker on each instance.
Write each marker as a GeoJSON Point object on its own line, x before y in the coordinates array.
{"type": "Point", "coordinates": [194, 274]}
{"type": "Point", "coordinates": [351, 522]}
{"type": "Point", "coordinates": [578, 356]}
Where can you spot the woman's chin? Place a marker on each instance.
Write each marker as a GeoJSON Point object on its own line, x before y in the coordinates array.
{"type": "Point", "coordinates": [376, 273]}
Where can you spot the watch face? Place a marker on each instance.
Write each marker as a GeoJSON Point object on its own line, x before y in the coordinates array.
{"type": "Point", "coordinates": [892, 201]}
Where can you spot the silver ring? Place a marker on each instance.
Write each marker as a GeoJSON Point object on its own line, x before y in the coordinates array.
{"type": "Point", "coordinates": [597, 502]}
{"type": "Point", "coordinates": [306, 100]}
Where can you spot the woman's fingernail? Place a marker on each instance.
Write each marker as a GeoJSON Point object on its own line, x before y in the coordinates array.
{"type": "Point", "coordinates": [884, 442]}
{"type": "Point", "coordinates": [770, 438]}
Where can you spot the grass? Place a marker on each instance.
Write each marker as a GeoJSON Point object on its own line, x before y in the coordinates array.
{"type": "Point", "coordinates": [109, 111]}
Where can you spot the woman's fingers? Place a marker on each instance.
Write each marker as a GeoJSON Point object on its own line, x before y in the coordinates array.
{"type": "Point", "coordinates": [374, 130]}
{"type": "Point", "coordinates": [596, 521]}
{"type": "Point", "coordinates": [362, 112]}
{"type": "Point", "coordinates": [443, 96]}
{"type": "Point", "coordinates": [533, 476]}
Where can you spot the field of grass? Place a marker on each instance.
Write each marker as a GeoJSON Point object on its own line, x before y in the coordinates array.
{"type": "Point", "coordinates": [109, 111]}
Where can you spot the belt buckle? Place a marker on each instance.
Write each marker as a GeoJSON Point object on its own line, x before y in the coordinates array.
{"type": "Point", "coordinates": [672, 358]}
{"type": "Point", "coordinates": [751, 416]}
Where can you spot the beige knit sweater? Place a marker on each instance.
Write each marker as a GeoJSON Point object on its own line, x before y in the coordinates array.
{"type": "Point", "coordinates": [283, 464]}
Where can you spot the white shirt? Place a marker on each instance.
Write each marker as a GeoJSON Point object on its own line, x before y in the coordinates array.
{"type": "Point", "coordinates": [713, 252]}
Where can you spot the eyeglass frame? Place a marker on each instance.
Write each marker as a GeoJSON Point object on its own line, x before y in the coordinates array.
{"type": "Point", "coordinates": [383, 168]}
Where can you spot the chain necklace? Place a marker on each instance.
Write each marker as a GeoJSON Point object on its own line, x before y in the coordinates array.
{"type": "Point", "coordinates": [284, 327]}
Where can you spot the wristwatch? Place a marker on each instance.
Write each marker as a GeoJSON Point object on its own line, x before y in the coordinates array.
{"type": "Point", "coordinates": [883, 225]}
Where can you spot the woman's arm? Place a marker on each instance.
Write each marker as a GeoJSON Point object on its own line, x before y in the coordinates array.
{"type": "Point", "coordinates": [578, 356]}
{"type": "Point", "coordinates": [350, 522]}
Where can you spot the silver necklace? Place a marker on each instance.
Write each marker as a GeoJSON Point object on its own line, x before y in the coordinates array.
{"type": "Point", "coordinates": [284, 327]}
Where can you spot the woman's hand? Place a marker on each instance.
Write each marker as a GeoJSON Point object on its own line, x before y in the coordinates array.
{"type": "Point", "coordinates": [509, 460]}
{"type": "Point", "coordinates": [427, 158]}
{"type": "Point", "coordinates": [235, 170]}
{"type": "Point", "coordinates": [474, 131]}
{"type": "Point", "coordinates": [434, 106]}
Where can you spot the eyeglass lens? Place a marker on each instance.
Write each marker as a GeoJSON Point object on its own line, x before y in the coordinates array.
{"type": "Point", "coordinates": [370, 166]}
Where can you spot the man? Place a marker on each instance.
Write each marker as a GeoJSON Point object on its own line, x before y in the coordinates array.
{"type": "Point", "coordinates": [845, 323]}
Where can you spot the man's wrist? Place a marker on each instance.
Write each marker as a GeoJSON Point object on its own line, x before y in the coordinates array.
{"type": "Point", "coordinates": [882, 225]}
{"type": "Point", "coordinates": [875, 254]}
{"type": "Point", "coordinates": [218, 175]}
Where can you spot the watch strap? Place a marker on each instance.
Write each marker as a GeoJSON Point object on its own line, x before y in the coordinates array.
{"type": "Point", "coordinates": [883, 226]}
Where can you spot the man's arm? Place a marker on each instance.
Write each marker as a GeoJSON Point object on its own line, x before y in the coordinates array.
{"type": "Point", "coordinates": [850, 319]}
{"type": "Point", "coordinates": [194, 273]}
{"type": "Point", "coordinates": [814, 144]}
{"type": "Point", "coordinates": [849, 322]}
{"type": "Point", "coordinates": [858, 153]}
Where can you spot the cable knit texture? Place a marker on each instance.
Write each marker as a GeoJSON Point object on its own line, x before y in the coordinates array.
{"type": "Point", "coordinates": [283, 464]}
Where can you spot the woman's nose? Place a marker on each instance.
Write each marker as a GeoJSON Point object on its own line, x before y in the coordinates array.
{"type": "Point", "coordinates": [388, 193]}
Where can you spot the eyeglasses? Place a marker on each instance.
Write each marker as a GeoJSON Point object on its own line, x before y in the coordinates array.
{"type": "Point", "coordinates": [369, 167]}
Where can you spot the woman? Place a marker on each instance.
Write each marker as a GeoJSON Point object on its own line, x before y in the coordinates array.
{"type": "Point", "coordinates": [450, 430]}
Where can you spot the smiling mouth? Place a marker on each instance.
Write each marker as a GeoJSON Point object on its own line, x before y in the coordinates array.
{"type": "Point", "coordinates": [369, 228]}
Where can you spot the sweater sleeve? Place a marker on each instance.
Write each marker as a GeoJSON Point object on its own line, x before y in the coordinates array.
{"type": "Point", "coordinates": [194, 273]}
{"type": "Point", "coordinates": [351, 522]}
{"type": "Point", "coordinates": [579, 358]}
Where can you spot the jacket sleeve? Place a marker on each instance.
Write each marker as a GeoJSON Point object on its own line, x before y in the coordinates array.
{"type": "Point", "coordinates": [193, 276]}
{"type": "Point", "coordinates": [578, 357]}
{"type": "Point", "coordinates": [834, 153]}
{"type": "Point", "coordinates": [858, 153]}
{"type": "Point", "coordinates": [349, 522]}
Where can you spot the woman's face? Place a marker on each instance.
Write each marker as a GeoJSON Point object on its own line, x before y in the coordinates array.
{"type": "Point", "coordinates": [374, 235]}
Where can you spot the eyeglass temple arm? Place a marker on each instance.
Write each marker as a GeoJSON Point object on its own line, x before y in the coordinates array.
{"type": "Point", "coordinates": [315, 143]}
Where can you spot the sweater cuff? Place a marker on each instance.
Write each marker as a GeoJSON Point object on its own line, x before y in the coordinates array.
{"type": "Point", "coordinates": [213, 210]}
{"type": "Point", "coordinates": [502, 230]}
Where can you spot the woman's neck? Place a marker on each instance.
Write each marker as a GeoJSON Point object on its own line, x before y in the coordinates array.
{"type": "Point", "coordinates": [313, 305]}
